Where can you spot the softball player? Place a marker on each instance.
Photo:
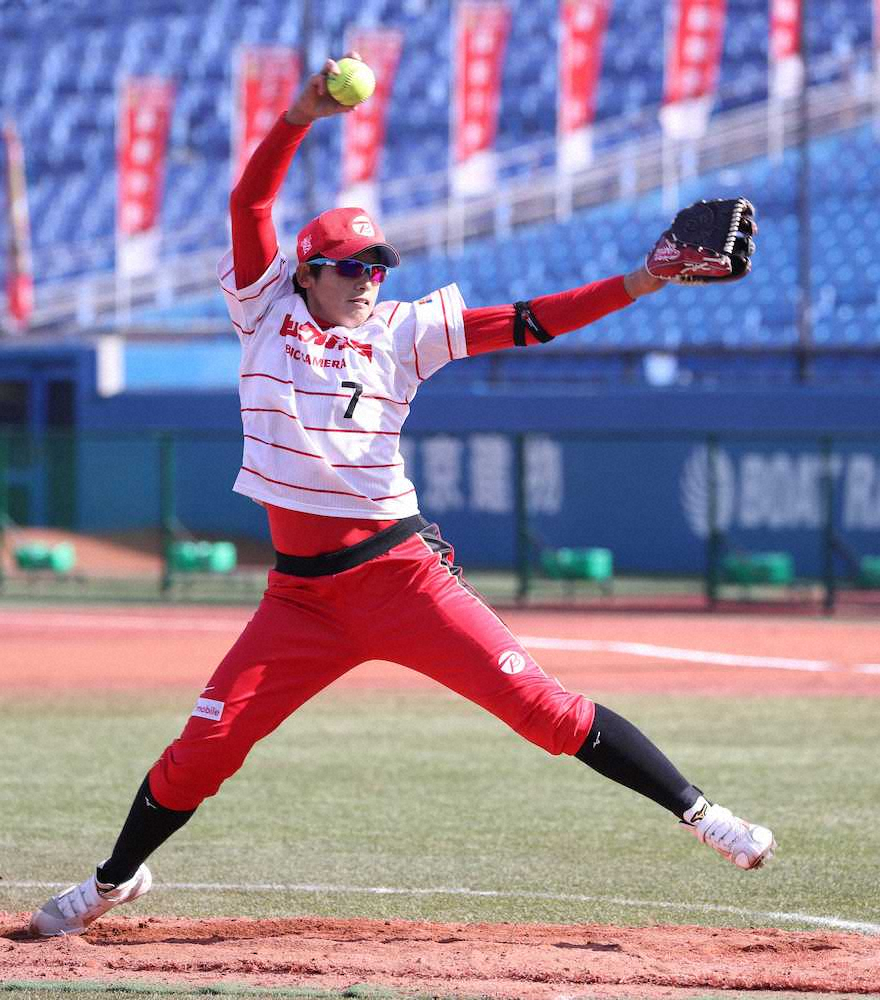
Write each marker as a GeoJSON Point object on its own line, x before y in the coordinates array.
{"type": "Point", "coordinates": [328, 375]}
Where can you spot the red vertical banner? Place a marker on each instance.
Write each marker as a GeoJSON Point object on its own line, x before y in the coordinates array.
{"type": "Point", "coordinates": [785, 29]}
{"type": "Point", "coordinates": [582, 27]}
{"type": "Point", "coordinates": [266, 79]}
{"type": "Point", "coordinates": [363, 130]}
{"type": "Point", "coordinates": [480, 39]}
{"type": "Point", "coordinates": [693, 60]}
{"type": "Point", "coordinates": [786, 64]}
{"type": "Point", "coordinates": [142, 138]}
{"type": "Point", "coordinates": [19, 274]}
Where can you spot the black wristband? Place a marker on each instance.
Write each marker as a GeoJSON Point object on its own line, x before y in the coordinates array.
{"type": "Point", "coordinates": [524, 319]}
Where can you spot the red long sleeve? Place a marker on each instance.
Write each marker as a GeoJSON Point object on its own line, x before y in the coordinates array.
{"type": "Point", "coordinates": [491, 328]}
{"type": "Point", "coordinates": [254, 243]}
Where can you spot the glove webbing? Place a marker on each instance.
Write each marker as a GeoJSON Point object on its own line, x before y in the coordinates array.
{"type": "Point", "coordinates": [526, 319]}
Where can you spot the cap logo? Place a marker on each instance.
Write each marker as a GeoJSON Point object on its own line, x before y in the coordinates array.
{"type": "Point", "coordinates": [305, 245]}
{"type": "Point", "coordinates": [362, 226]}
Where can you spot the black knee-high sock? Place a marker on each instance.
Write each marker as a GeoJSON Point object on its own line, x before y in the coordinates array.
{"type": "Point", "coordinates": [147, 827]}
{"type": "Point", "coordinates": [617, 750]}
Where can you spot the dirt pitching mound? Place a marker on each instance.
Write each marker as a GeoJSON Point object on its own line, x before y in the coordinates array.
{"type": "Point", "coordinates": [510, 961]}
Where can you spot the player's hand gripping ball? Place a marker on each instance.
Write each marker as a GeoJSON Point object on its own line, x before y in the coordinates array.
{"type": "Point", "coordinates": [353, 83]}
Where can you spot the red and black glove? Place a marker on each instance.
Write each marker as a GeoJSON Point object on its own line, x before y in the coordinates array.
{"type": "Point", "coordinates": [707, 242]}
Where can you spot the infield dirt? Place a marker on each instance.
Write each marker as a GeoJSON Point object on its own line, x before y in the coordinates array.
{"type": "Point", "coordinates": [526, 962]}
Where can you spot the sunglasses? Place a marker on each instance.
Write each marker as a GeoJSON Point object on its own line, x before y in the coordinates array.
{"type": "Point", "coordinates": [351, 268]}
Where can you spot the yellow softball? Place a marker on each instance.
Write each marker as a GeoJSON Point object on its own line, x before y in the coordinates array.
{"type": "Point", "coordinates": [353, 83]}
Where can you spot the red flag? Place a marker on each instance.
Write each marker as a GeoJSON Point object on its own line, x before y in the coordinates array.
{"type": "Point", "coordinates": [144, 119]}
{"type": "Point", "coordinates": [363, 130]}
{"type": "Point", "coordinates": [694, 57]}
{"type": "Point", "coordinates": [19, 277]}
{"type": "Point", "coordinates": [267, 77]}
{"type": "Point", "coordinates": [583, 25]}
{"type": "Point", "coordinates": [480, 39]}
{"type": "Point", "coordinates": [785, 29]}
{"type": "Point", "coordinates": [786, 65]}
{"type": "Point", "coordinates": [582, 30]}
{"type": "Point", "coordinates": [145, 115]}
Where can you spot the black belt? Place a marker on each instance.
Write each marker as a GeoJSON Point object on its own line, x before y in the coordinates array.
{"type": "Point", "coordinates": [328, 563]}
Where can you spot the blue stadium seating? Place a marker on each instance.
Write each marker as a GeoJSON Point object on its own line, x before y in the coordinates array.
{"type": "Point", "coordinates": [60, 64]}
{"type": "Point", "coordinates": [761, 311]}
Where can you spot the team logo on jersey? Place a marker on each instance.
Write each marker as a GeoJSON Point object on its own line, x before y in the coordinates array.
{"type": "Point", "coordinates": [310, 334]}
{"type": "Point", "coordinates": [362, 226]}
{"type": "Point", "coordinates": [511, 662]}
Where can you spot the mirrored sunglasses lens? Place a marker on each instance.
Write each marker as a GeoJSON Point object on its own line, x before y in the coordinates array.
{"type": "Point", "coordinates": [356, 268]}
{"type": "Point", "coordinates": [350, 268]}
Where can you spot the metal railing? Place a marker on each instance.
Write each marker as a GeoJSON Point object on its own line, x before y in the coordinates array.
{"type": "Point", "coordinates": [539, 191]}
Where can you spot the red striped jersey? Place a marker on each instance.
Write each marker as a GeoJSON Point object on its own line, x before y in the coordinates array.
{"type": "Point", "coordinates": [322, 410]}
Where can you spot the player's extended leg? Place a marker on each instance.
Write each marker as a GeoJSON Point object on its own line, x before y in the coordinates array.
{"type": "Point", "coordinates": [291, 649]}
{"type": "Point", "coordinates": [617, 749]}
{"type": "Point", "coordinates": [445, 630]}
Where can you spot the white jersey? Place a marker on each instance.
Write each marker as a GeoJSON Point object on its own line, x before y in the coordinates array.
{"type": "Point", "coordinates": [322, 410]}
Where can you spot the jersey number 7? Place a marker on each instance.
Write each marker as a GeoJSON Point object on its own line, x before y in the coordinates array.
{"type": "Point", "coordinates": [358, 389]}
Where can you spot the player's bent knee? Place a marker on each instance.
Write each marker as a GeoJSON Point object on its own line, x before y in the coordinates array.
{"type": "Point", "coordinates": [558, 722]}
{"type": "Point", "coordinates": [183, 777]}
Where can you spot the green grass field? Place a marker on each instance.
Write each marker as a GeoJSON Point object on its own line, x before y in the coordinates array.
{"type": "Point", "coordinates": [430, 798]}
{"type": "Point", "coordinates": [246, 586]}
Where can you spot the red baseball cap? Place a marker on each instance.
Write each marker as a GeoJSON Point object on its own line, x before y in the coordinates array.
{"type": "Point", "coordinates": [344, 232]}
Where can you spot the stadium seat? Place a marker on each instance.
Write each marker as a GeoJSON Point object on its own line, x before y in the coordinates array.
{"type": "Point", "coordinates": [61, 65]}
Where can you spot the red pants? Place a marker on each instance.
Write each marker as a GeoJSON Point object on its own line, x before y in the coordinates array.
{"type": "Point", "coordinates": [407, 606]}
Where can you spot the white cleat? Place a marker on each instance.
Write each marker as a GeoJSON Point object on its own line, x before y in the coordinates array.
{"type": "Point", "coordinates": [745, 845]}
{"type": "Point", "coordinates": [71, 911]}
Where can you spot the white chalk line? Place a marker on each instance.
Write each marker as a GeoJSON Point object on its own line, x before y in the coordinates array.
{"type": "Point", "coordinates": [175, 623]}
{"type": "Point", "coordinates": [837, 923]}
{"type": "Point", "coordinates": [675, 653]}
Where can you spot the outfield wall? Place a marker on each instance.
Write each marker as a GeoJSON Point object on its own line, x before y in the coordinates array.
{"type": "Point", "coordinates": [651, 497]}
{"type": "Point", "coordinates": [643, 492]}
{"type": "Point", "coordinates": [624, 468]}
{"type": "Point", "coordinates": [479, 407]}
